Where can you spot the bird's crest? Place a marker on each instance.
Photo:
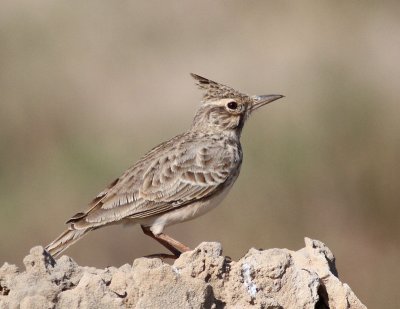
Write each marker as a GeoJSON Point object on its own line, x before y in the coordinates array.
{"type": "Point", "coordinates": [214, 90]}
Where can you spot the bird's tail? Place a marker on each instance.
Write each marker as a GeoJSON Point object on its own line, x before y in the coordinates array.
{"type": "Point", "coordinates": [66, 239]}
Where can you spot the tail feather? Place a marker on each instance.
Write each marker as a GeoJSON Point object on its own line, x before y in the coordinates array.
{"type": "Point", "coordinates": [66, 239]}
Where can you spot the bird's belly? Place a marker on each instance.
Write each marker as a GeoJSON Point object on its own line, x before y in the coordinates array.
{"type": "Point", "coordinates": [185, 213]}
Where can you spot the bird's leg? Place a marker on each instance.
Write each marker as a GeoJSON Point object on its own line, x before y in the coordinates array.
{"type": "Point", "coordinates": [167, 245]}
{"type": "Point", "coordinates": [168, 242]}
{"type": "Point", "coordinates": [173, 242]}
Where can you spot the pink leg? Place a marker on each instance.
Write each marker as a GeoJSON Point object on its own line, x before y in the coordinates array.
{"type": "Point", "coordinates": [168, 242]}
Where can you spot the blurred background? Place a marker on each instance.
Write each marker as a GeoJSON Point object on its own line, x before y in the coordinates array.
{"type": "Point", "coordinates": [86, 88]}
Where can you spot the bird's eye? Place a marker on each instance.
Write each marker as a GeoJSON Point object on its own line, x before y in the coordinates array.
{"type": "Point", "coordinates": [232, 105]}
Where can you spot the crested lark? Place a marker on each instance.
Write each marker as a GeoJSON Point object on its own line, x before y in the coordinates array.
{"type": "Point", "coordinates": [178, 180]}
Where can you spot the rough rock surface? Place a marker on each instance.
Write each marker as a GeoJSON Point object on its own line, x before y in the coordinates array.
{"type": "Point", "coordinates": [202, 278]}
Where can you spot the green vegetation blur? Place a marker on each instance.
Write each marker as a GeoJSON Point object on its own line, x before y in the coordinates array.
{"type": "Point", "coordinates": [86, 88]}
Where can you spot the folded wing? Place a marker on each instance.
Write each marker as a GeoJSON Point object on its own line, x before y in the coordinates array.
{"type": "Point", "coordinates": [160, 182]}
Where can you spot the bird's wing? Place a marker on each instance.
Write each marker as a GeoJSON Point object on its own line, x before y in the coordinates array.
{"type": "Point", "coordinates": [163, 180]}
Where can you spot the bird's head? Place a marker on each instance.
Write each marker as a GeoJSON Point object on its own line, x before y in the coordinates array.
{"type": "Point", "coordinates": [224, 108]}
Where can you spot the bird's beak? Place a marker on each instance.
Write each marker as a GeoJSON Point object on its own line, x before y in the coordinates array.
{"type": "Point", "coordinates": [261, 100]}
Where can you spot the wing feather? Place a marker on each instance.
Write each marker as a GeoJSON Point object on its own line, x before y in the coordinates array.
{"type": "Point", "coordinates": [173, 174]}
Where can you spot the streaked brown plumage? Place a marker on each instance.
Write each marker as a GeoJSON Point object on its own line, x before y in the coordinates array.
{"type": "Point", "coordinates": [178, 180]}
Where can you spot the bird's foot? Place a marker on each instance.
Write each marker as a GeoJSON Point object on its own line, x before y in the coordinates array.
{"type": "Point", "coordinates": [162, 256]}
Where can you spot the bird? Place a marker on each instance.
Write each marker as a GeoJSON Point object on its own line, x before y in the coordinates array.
{"type": "Point", "coordinates": [179, 179]}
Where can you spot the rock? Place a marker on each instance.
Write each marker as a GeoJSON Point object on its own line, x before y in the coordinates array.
{"type": "Point", "coordinates": [202, 278]}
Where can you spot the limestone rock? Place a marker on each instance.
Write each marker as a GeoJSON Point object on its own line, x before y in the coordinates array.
{"type": "Point", "coordinates": [202, 278]}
